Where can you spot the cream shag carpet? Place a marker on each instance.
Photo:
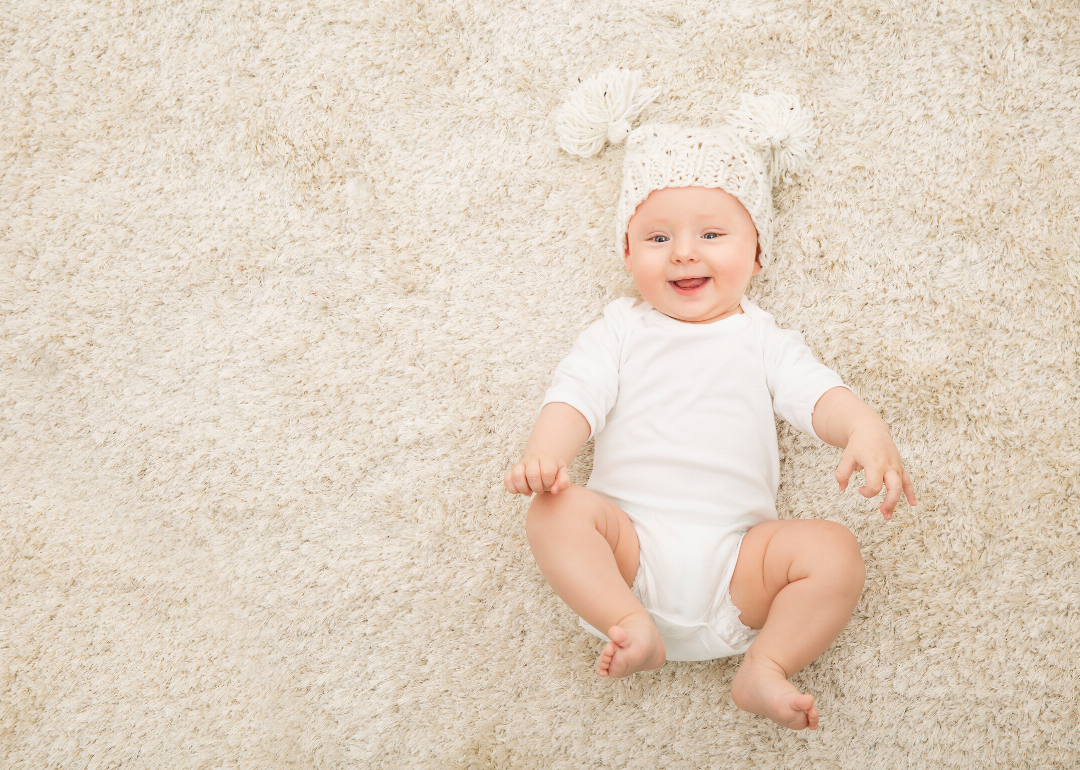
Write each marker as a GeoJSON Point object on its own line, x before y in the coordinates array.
{"type": "Point", "coordinates": [281, 286]}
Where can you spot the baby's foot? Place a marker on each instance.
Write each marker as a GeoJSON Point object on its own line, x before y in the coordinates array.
{"type": "Point", "coordinates": [635, 646]}
{"type": "Point", "coordinates": [761, 687]}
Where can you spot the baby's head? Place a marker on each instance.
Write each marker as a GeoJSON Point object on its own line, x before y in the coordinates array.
{"type": "Point", "coordinates": [714, 181]}
{"type": "Point", "coordinates": [692, 251]}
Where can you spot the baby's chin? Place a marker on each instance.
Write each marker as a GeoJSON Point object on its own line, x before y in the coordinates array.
{"type": "Point", "coordinates": [705, 317]}
{"type": "Point", "coordinates": [696, 302]}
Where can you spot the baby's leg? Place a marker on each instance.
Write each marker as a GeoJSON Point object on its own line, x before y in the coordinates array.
{"type": "Point", "coordinates": [798, 581]}
{"type": "Point", "coordinates": [587, 549]}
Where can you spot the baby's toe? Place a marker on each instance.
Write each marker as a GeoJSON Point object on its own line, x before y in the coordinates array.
{"type": "Point", "coordinates": [619, 636]}
{"type": "Point", "coordinates": [805, 704]}
{"type": "Point", "coordinates": [603, 663]}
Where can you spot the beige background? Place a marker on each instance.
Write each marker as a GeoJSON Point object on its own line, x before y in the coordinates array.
{"type": "Point", "coordinates": [281, 286]}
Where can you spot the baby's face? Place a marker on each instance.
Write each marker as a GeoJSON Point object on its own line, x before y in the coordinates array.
{"type": "Point", "coordinates": [692, 251]}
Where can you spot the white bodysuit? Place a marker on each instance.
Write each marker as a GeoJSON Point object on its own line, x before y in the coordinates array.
{"type": "Point", "coordinates": [686, 445]}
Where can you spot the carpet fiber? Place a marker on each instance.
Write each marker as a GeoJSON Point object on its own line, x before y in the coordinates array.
{"type": "Point", "coordinates": [281, 287]}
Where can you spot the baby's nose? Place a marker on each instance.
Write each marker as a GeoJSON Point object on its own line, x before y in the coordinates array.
{"type": "Point", "coordinates": [685, 252]}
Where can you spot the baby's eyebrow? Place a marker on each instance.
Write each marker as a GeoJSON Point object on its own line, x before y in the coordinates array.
{"type": "Point", "coordinates": [703, 225]}
{"type": "Point", "coordinates": [705, 220]}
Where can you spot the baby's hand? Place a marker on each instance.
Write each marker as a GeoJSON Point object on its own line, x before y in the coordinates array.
{"type": "Point", "coordinates": [537, 473]}
{"type": "Point", "coordinates": [870, 447]}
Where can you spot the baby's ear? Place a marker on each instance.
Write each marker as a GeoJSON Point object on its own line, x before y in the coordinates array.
{"type": "Point", "coordinates": [626, 254]}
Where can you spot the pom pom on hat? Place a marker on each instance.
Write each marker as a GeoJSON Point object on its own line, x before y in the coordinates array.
{"type": "Point", "coordinates": [766, 140]}
{"type": "Point", "coordinates": [780, 129]}
{"type": "Point", "coordinates": [602, 109]}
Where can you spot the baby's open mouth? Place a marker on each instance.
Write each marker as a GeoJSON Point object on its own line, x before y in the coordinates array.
{"type": "Point", "coordinates": [690, 283]}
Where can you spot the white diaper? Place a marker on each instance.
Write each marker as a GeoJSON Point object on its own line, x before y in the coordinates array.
{"type": "Point", "coordinates": [684, 571]}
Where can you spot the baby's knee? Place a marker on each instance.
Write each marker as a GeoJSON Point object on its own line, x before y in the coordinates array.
{"type": "Point", "coordinates": [549, 512]}
{"type": "Point", "coordinates": [842, 554]}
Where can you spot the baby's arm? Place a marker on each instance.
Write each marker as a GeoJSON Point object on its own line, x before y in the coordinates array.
{"type": "Point", "coordinates": [843, 420]}
{"type": "Point", "coordinates": [559, 433]}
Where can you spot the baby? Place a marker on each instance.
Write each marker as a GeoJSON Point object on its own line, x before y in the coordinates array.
{"type": "Point", "coordinates": [673, 548]}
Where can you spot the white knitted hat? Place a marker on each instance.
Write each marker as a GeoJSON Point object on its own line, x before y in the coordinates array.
{"type": "Point", "coordinates": [766, 140]}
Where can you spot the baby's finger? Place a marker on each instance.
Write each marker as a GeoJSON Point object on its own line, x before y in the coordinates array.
{"type": "Point", "coordinates": [534, 476]}
{"type": "Point", "coordinates": [562, 481]}
{"type": "Point", "coordinates": [845, 469]}
{"type": "Point", "coordinates": [871, 482]}
{"type": "Point", "coordinates": [517, 483]}
{"type": "Point", "coordinates": [909, 489]}
{"type": "Point", "coordinates": [548, 470]}
{"type": "Point", "coordinates": [892, 493]}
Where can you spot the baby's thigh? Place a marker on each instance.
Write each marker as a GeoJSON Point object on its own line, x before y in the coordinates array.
{"type": "Point", "coordinates": [776, 553]}
{"type": "Point", "coordinates": [576, 507]}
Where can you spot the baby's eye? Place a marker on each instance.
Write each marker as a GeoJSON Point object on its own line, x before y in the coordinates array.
{"type": "Point", "coordinates": [659, 239]}
{"type": "Point", "coordinates": [711, 235]}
